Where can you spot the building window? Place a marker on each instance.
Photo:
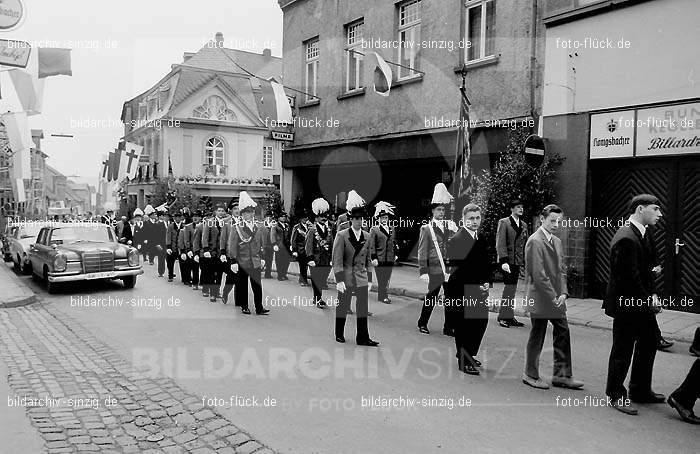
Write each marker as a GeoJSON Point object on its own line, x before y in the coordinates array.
{"type": "Point", "coordinates": [354, 58]}
{"type": "Point", "coordinates": [267, 157]}
{"type": "Point", "coordinates": [480, 29]}
{"type": "Point", "coordinates": [311, 70]}
{"type": "Point", "coordinates": [142, 111]}
{"type": "Point", "coordinates": [409, 37]}
{"type": "Point", "coordinates": [214, 151]}
{"type": "Point", "coordinates": [214, 108]}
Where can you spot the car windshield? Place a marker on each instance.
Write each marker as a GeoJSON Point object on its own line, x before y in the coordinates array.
{"type": "Point", "coordinates": [74, 234]}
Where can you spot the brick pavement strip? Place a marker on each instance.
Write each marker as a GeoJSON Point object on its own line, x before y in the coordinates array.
{"type": "Point", "coordinates": [53, 358]}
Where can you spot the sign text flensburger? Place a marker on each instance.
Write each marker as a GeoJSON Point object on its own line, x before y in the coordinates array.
{"type": "Point", "coordinates": [656, 131]}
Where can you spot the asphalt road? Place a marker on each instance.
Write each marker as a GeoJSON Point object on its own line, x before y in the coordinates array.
{"type": "Point", "coordinates": [284, 379]}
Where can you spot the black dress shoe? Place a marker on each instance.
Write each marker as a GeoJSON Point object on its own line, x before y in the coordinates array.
{"type": "Point", "coordinates": [516, 323]}
{"type": "Point", "coordinates": [477, 363]}
{"type": "Point", "coordinates": [321, 304]}
{"type": "Point", "coordinates": [621, 405]}
{"type": "Point", "coordinates": [245, 311]}
{"type": "Point", "coordinates": [304, 284]}
{"type": "Point", "coordinates": [368, 343]}
{"type": "Point", "coordinates": [212, 299]}
{"type": "Point", "coordinates": [651, 398]}
{"type": "Point", "coordinates": [503, 323]}
{"type": "Point", "coordinates": [469, 369]}
{"type": "Point", "coordinates": [663, 344]}
{"type": "Point", "coordinates": [448, 332]}
{"type": "Point", "coordinates": [686, 414]}
{"type": "Point", "coordinates": [224, 299]}
{"type": "Point", "coordinates": [340, 339]}
{"type": "Point", "coordinates": [263, 312]}
{"type": "Point", "coordinates": [695, 351]}
{"type": "Point", "coordinates": [423, 329]}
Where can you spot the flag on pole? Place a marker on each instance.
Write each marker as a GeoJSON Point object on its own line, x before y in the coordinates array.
{"type": "Point", "coordinates": [274, 103]}
{"type": "Point", "coordinates": [104, 175]}
{"type": "Point", "coordinates": [20, 142]}
{"type": "Point", "coordinates": [170, 167]}
{"type": "Point", "coordinates": [114, 164]}
{"type": "Point", "coordinates": [122, 161]}
{"type": "Point", "coordinates": [463, 172]}
{"type": "Point", "coordinates": [29, 89]}
{"type": "Point", "coordinates": [132, 156]}
{"type": "Point", "coordinates": [20, 192]}
{"type": "Point", "coordinates": [382, 76]}
{"type": "Point", "coordinates": [54, 62]}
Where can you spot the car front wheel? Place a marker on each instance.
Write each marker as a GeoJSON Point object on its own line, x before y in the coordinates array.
{"type": "Point", "coordinates": [51, 287]}
{"type": "Point", "coordinates": [129, 281]}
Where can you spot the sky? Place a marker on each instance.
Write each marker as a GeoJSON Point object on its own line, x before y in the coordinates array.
{"type": "Point", "coordinates": [121, 49]}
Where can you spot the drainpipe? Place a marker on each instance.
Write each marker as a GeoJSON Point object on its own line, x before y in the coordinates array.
{"type": "Point", "coordinates": [533, 59]}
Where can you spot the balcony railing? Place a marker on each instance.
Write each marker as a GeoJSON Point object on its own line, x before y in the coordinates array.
{"type": "Point", "coordinates": [215, 170]}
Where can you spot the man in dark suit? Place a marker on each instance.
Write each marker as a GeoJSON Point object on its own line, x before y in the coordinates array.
{"type": "Point", "coordinates": [467, 288]}
{"type": "Point", "coordinates": [185, 245]}
{"type": "Point", "coordinates": [123, 230]}
{"type": "Point", "coordinates": [546, 294]}
{"type": "Point", "coordinates": [432, 246]}
{"type": "Point", "coordinates": [351, 267]}
{"type": "Point", "coordinates": [155, 236]}
{"type": "Point", "coordinates": [196, 257]}
{"type": "Point", "coordinates": [245, 249]}
{"type": "Point", "coordinates": [279, 237]}
{"type": "Point", "coordinates": [632, 302]}
{"type": "Point", "coordinates": [319, 241]}
{"type": "Point", "coordinates": [213, 261]}
{"type": "Point", "coordinates": [172, 240]}
{"type": "Point", "coordinates": [511, 236]}
{"type": "Point", "coordinates": [298, 242]}
{"type": "Point", "coordinates": [382, 248]}
{"type": "Point", "coordinates": [267, 225]}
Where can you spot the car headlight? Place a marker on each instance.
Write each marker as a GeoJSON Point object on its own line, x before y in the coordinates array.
{"type": "Point", "coordinates": [133, 257]}
{"type": "Point", "coordinates": [59, 263]}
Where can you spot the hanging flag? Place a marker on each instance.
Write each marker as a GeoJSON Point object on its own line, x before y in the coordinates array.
{"type": "Point", "coordinates": [29, 89]}
{"type": "Point", "coordinates": [170, 167]}
{"type": "Point", "coordinates": [20, 192]}
{"type": "Point", "coordinates": [382, 76]}
{"type": "Point", "coordinates": [463, 172]}
{"type": "Point", "coordinates": [274, 103]}
{"type": "Point", "coordinates": [19, 137]}
{"type": "Point", "coordinates": [131, 156]}
{"type": "Point", "coordinates": [54, 62]}
{"type": "Point", "coordinates": [105, 167]}
{"type": "Point", "coordinates": [115, 165]}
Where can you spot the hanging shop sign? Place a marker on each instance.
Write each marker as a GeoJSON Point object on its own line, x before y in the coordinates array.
{"type": "Point", "coordinates": [11, 14]}
{"type": "Point", "coordinates": [612, 135]}
{"type": "Point", "coordinates": [668, 130]}
{"type": "Point", "coordinates": [14, 53]}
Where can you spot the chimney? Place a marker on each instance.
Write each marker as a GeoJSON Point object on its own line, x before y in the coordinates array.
{"type": "Point", "coordinates": [267, 53]}
{"type": "Point", "coordinates": [186, 56]}
{"type": "Point", "coordinates": [219, 38]}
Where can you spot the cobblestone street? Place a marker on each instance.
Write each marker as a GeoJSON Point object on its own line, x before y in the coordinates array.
{"type": "Point", "coordinates": [52, 358]}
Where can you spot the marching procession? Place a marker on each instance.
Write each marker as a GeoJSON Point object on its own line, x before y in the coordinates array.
{"type": "Point", "coordinates": [223, 251]}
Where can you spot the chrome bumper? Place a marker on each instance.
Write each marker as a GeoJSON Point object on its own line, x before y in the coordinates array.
{"type": "Point", "coordinates": [116, 274]}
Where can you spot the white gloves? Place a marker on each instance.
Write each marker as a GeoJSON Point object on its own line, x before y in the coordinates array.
{"type": "Point", "coordinates": [505, 267]}
{"type": "Point", "coordinates": [262, 263]}
{"type": "Point", "coordinates": [375, 262]}
{"type": "Point", "coordinates": [207, 255]}
{"type": "Point", "coordinates": [340, 286]}
{"type": "Point", "coordinates": [223, 258]}
{"type": "Point", "coordinates": [275, 248]}
{"type": "Point", "coordinates": [138, 246]}
{"type": "Point", "coordinates": [183, 256]}
{"type": "Point", "coordinates": [424, 278]}
{"type": "Point", "coordinates": [196, 258]}
{"type": "Point", "coordinates": [311, 263]}
{"type": "Point", "coordinates": [234, 267]}
{"type": "Point", "coordinates": [169, 251]}
{"type": "Point", "coordinates": [294, 254]}
{"type": "Point", "coordinates": [190, 254]}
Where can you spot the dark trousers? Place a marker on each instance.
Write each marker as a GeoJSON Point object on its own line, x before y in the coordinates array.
{"type": "Point", "coordinates": [383, 276]}
{"type": "Point", "coordinates": [282, 262]}
{"type": "Point", "coordinates": [303, 268]}
{"type": "Point", "coordinates": [211, 275]}
{"type": "Point", "coordinates": [184, 269]}
{"type": "Point", "coordinates": [341, 312]}
{"type": "Point", "coordinates": [467, 313]}
{"type": "Point", "coordinates": [634, 341]}
{"type": "Point", "coordinates": [170, 260]}
{"type": "Point", "coordinates": [435, 281]}
{"type": "Point", "coordinates": [241, 291]}
{"type": "Point", "coordinates": [562, 347]}
{"type": "Point", "coordinates": [267, 256]}
{"type": "Point", "coordinates": [160, 254]}
{"type": "Point", "coordinates": [508, 297]}
{"type": "Point", "coordinates": [193, 271]}
{"type": "Point", "coordinates": [231, 279]}
{"type": "Point", "coordinates": [689, 391]}
{"type": "Point", "coordinates": [319, 279]}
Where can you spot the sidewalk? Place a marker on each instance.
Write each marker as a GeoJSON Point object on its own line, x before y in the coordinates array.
{"type": "Point", "coordinates": [675, 325]}
{"type": "Point", "coordinates": [14, 293]}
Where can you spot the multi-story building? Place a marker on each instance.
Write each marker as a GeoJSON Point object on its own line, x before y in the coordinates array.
{"type": "Point", "coordinates": [398, 147]}
{"type": "Point", "coordinates": [621, 103]}
{"type": "Point", "coordinates": [34, 205]}
{"type": "Point", "coordinates": [204, 120]}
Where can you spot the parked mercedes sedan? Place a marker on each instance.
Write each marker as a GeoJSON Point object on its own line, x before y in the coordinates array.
{"type": "Point", "coordinates": [82, 251]}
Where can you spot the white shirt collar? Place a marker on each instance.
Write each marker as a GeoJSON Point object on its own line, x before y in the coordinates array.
{"type": "Point", "coordinates": [250, 224]}
{"type": "Point", "coordinates": [517, 221]}
{"type": "Point", "coordinates": [641, 227]}
{"type": "Point", "coordinates": [357, 233]}
{"type": "Point", "coordinates": [546, 233]}
{"type": "Point", "coordinates": [471, 232]}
